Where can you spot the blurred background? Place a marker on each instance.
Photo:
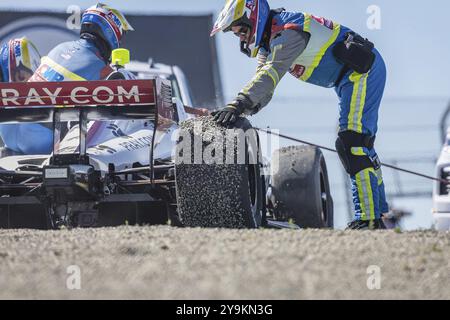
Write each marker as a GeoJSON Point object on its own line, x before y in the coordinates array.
{"type": "Point", "coordinates": [411, 37]}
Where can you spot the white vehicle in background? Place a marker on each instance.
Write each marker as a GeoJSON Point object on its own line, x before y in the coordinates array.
{"type": "Point", "coordinates": [441, 191]}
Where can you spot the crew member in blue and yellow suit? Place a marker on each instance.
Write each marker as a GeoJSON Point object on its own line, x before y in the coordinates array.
{"type": "Point", "coordinates": [88, 58]}
{"type": "Point", "coordinates": [19, 59]}
{"type": "Point", "coordinates": [324, 53]}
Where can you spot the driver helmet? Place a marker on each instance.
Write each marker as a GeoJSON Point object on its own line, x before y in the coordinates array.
{"type": "Point", "coordinates": [19, 58]}
{"type": "Point", "coordinates": [250, 13]}
{"type": "Point", "coordinates": [105, 22]}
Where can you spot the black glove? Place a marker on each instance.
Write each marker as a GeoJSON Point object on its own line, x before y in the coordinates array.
{"type": "Point", "coordinates": [228, 116]}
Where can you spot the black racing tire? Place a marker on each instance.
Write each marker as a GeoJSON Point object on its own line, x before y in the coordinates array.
{"type": "Point", "coordinates": [217, 194]}
{"type": "Point", "coordinates": [300, 187]}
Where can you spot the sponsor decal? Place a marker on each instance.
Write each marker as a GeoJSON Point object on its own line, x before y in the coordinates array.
{"type": "Point", "coordinates": [116, 131]}
{"type": "Point", "coordinates": [80, 93]}
{"type": "Point", "coordinates": [48, 72]}
{"type": "Point", "coordinates": [17, 49]}
{"type": "Point", "coordinates": [137, 143]}
{"type": "Point", "coordinates": [66, 56]}
{"type": "Point", "coordinates": [298, 70]}
{"type": "Point", "coordinates": [114, 18]}
{"type": "Point", "coordinates": [111, 22]}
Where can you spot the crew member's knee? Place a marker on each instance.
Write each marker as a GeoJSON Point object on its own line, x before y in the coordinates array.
{"type": "Point", "coordinates": [349, 146]}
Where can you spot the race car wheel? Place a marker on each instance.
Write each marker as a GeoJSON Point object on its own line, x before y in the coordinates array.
{"type": "Point", "coordinates": [211, 191]}
{"type": "Point", "coordinates": [300, 187]}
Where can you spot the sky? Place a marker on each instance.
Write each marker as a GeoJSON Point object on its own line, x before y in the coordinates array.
{"type": "Point", "coordinates": [413, 39]}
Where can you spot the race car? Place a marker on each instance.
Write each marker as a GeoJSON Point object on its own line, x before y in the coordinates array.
{"type": "Point", "coordinates": [130, 156]}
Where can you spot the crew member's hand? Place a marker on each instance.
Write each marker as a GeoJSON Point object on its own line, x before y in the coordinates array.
{"type": "Point", "coordinates": [226, 116]}
{"type": "Point", "coordinates": [229, 115]}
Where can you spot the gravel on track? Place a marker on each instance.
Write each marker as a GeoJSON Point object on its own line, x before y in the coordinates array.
{"type": "Point", "coordinates": [170, 263]}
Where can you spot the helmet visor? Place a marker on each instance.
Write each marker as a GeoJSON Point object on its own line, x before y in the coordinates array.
{"type": "Point", "coordinates": [20, 73]}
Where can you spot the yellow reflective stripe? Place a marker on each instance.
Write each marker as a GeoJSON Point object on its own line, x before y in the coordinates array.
{"type": "Point", "coordinates": [272, 77]}
{"type": "Point", "coordinates": [367, 197]}
{"type": "Point", "coordinates": [258, 77]}
{"type": "Point", "coordinates": [360, 188]}
{"type": "Point", "coordinates": [66, 73]}
{"type": "Point", "coordinates": [361, 105]}
{"type": "Point", "coordinates": [239, 11]}
{"type": "Point", "coordinates": [357, 102]}
{"type": "Point", "coordinates": [266, 69]}
{"type": "Point", "coordinates": [365, 194]}
{"type": "Point", "coordinates": [319, 56]}
{"type": "Point", "coordinates": [357, 151]}
{"type": "Point", "coordinates": [273, 73]}
{"type": "Point", "coordinates": [307, 23]}
{"type": "Point", "coordinates": [355, 78]}
{"type": "Point", "coordinates": [369, 194]}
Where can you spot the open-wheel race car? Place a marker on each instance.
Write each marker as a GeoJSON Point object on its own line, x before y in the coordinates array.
{"type": "Point", "coordinates": [127, 152]}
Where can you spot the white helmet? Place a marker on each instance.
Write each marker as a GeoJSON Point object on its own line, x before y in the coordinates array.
{"type": "Point", "coordinates": [251, 13]}
{"type": "Point", "coordinates": [108, 23]}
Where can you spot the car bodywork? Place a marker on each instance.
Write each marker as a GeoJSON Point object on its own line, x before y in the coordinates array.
{"type": "Point", "coordinates": [86, 182]}
{"type": "Point", "coordinates": [441, 191]}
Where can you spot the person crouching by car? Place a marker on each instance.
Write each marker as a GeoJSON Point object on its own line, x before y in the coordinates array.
{"type": "Point", "coordinates": [19, 59]}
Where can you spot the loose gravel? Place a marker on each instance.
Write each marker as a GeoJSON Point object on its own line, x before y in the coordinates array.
{"type": "Point", "coordinates": [170, 263]}
{"type": "Point", "coordinates": [210, 193]}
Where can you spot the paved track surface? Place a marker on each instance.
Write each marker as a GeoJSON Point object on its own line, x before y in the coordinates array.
{"type": "Point", "coordinates": [169, 263]}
